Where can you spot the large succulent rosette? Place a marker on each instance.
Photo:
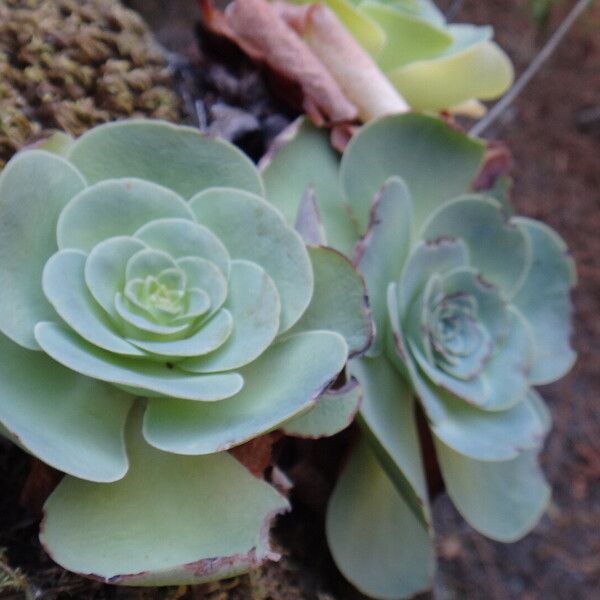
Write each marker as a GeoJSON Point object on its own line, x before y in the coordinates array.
{"type": "Point", "coordinates": [157, 311]}
{"type": "Point", "coordinates": [434, 65]}
{"type": "Point", "coordinates": [472, 309]}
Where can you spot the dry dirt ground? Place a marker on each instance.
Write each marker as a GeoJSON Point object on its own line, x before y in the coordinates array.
{"type": "Point", "coordinates": [553, 130]}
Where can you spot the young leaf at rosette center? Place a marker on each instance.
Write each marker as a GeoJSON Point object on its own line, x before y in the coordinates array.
{"type": "Point", "coordinates": [333, 412]}
{"type": "Point", "coordinates": [502, 500]}
{"type": "Point", "coordinates": [375, 539]}
{"type": "Point", "coordinates": [339, 301]}
{"type": "Point", "coordinates": [172, 520]}
{"type": "Point", "coordinates": [34, 188]}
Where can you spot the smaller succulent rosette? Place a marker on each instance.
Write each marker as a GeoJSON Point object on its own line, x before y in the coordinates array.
{"type": "Point", "coordinates": [433, 64]}
{"type": "Point", "coordinates": [472, 308]}
{"type": "Point", "coordinates": [157, 311]}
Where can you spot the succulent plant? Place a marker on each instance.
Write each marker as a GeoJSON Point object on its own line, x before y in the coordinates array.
{"type": "Point", "coordinates": [434, 65]}
{"type": "Point", "coordinates": [157, 311]}
{"type": "Point", "coordinates": [472, 309]}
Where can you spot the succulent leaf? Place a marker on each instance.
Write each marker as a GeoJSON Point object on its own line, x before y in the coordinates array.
{"type": "Point", "coordinates": [165, 522]}
{"type": "Point", "coordinates": [365, 506]}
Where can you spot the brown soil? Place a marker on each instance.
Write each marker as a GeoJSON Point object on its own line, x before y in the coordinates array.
{"type": "Point", "coordinates": [553, 130]}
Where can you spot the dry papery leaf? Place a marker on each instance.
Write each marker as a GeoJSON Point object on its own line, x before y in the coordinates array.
{"type": "Point", "coordinates": [257, 28]}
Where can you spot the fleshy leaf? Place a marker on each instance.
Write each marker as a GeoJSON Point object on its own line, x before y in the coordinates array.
{"type": "Point", "coordinates": [116, 208]}
{"type": "Point", "coordinates": [64, 285]}
{"type": "Point", "coordinates": [306, 160]}
{"type": "Point", "coordinates": [34, 188]}
{"type": "Point", "coordinates": [366, 507]}
{"type": "Point", "coordinates": [105, 269]}
{"type": "Point", "coordinates": [436, 163]}
{"type": "Point", "coordinates": [179, 158]}
{"type": "Point", "coordinates": [73, 423]}
{"type": "Point", "coordinates": [497, 248]}
{"type": "Point", "coordinates": [502, 500]}
{"type": "Point", "coordinates": [544, 300]}
{"type": "Point", "coordinates": [254, 303]}
{"type": "Point", "coordinates": [333, 412]}
{"type": "Point", "coordinates": [77, 354]}
{"type": "Point", "coordinates": [171, 520]}
{"type": "Point", "coordinates": [253, 230]}
{"type": "Point", "coordinates": [204, 275]}
{"type": "Point", "coordinates": [180, 238]}
{"type": "Point", "coordinates": [337, 285]}
{"type": "Point", "coordinates": [387, 414]}
{"type": "Point", "coordinates": [283, 382]}
{"type": "Point", "coordinates": [473, 67]}
{"type": "Point", "coordinates": [382, 252]}
{"type": "Point", "coordinates": [209, 337]}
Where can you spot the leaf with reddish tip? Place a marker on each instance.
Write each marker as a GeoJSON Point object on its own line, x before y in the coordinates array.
{"type": "Point", "coordinates": [172, 519]}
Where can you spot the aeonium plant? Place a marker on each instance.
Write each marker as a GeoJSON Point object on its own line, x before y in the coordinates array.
{"type": "Point", "coordinates": [434, 65]}
{"type": "Point", "coordinates": [156, 312]}
{"type": "Point", "coordinates": [472, 309]}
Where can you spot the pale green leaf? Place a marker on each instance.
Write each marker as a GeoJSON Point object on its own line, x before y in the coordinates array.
{"type": "Point", "coordinates": [435, 161]}
{"type": "Point", "coordinates": [115, 208]}
{"type": "Point", "coordinates": [171, 520]}
{"type": "Point", "coordinates": [375, 539]}
{"type": "Point", "coordinates": [388, 418]}
{"type": "Point", "coordinates": [72, 423]}
{"type": "Point", "coordinates": [254, 304]}
{"type": "Point", "coordinates": [179, 158]}
{"type": "Point", "coordinates": [339, 300]}
{"type": "Point", "coordinates": [283, 382]}
{"type": "Point", "coordinates": [333, 412]}
{"type": "Point", "coordinates": [34, 188]}
{"type": "Point", "coordinates": [502, 500]}
{"type": "Point", "coordinates": [253, 230]}
{"type": "Point", "coordinates": [162, 379]}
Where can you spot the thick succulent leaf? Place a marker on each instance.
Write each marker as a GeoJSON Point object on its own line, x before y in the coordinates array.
{"type": "Point", "coordinates": [140, 325]}
{"type": "Point", "coordinates": [72, 423]}
{"type": "Point", "coordinates": [34, 188]}
{"type": "Point", "coordinates": [375, 539]}
{"type": "Point", "coordinates": [381, 254]}
{"type": "Point", "coordinates": [171, 520]}
{"type": "Point", "coordinates": [58, 143]}
{"type": "Point", "coordinates": [179, 158]}
{"type": "Point", "coordinates": [63, 283]}
{"type": "Point", "coordinates": [428, 259]}
{"type": "Point", "coordinates": [339, 301]}
{"type": "Point", "coordinates": [115, 208]}
{"type": "Point", "coordinates": [497, 248]}
{"type": "Point", "coordinates": [204, 275]}
{"type": "Point", "coordinates": [479, 434]}
{"type": "Point", "coordinates": [508, 369]}
{"type": "Point", "coordinates": [545, 303]}
{"type": "Point", "coordinates": [334, 411]}
{"type": "Point", "coordinates": [105, 269]}
{"type": "Point", "coordinates": [388, 418]}
{"type": "Point", "coordinates": [72, 351]}
{"type": "Point", "coordinates": [180, 238]}
{"type": "Point", "coordinates": [435, 161]}
{"type": "Point", "coordinates": [308, 160]}
{"type": "Point", "coordinates": [208, 338]}
{"type": "Point", "coordinates": [283, 382]}
{"type": "Point", "coordinates": [408, 38]}
{"type": "Point", "coordinates": [308, 220]}
{"type": "Point", "coordinates": [502, 500]}
{"type": "Point", "coordinates": [254, 304]}
{"type": "Point", "coordinates": [473, 67]}
{"type": "Point", "coordinates": [253, 230]}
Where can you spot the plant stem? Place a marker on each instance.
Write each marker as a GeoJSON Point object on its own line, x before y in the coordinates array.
{"type": "Point", "coordinates": [531, 70]}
